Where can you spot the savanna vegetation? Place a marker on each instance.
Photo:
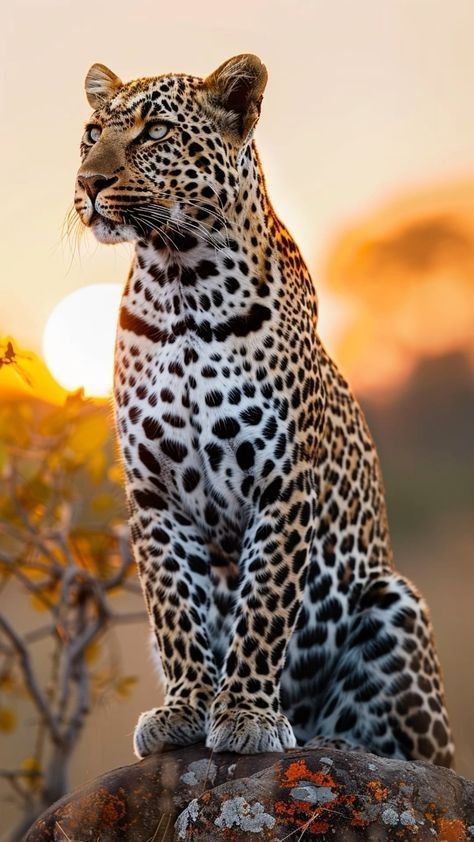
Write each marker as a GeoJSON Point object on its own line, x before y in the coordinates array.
{"type": "Point", "coordinates": [64, 558]}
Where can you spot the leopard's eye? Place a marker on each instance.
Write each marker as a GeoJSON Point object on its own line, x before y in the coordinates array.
{"type": "Point", "coordinates": [91, 135]}
{"type": "Point", "coordinates": [156, 131]}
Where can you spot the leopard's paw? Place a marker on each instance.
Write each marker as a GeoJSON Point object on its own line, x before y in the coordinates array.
{"type": "Point", "coordinates": [250, 732]}
{"type": "Point", "coordinates": [177, 724]}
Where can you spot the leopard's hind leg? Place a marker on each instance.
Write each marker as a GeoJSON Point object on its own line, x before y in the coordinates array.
{"type": "Point", "coordinates": [385, 691]}
{"type": "Point", "coordinates": [334, 743]}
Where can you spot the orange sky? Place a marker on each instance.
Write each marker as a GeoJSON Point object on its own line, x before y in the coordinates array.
{"type": "Point", "coordinates": [365, 100]}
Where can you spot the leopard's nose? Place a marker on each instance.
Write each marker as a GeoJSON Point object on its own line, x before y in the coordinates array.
{"type": "Point", "coordinates": [93, 184]}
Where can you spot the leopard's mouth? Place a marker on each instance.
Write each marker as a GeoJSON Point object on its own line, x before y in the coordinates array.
{"type": "Point", "coordinates": [108, 230]}
{"type": "Point", "coordinates": [96, 216]}
{"type": "Point", "coordinates": [128, 224]}
{"type": "Point", "coordinates": [146, 221]}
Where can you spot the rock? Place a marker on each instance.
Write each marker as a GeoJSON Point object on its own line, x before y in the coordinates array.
{"type": "Point", "coordinates": [191, 794]}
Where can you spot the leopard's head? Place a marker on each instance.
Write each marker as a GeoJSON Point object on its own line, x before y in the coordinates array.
{"type": "Point", "coordinates": [166, 153]}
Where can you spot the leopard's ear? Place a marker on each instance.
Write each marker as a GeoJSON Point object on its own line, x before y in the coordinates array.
{"type": "Point", "coordinates": [101, 84]}
{"type": "Point", "coordinates": [234, 93]}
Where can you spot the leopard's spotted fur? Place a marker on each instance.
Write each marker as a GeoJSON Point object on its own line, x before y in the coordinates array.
{"type": "Point", "coordinates": [256, 504]}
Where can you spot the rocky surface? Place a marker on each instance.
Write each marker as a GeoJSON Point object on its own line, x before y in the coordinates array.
{"type": "Point", "coordinates": [191, 794]}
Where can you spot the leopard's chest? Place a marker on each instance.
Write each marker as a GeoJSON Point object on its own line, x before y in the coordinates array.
{"type": "Point", "coordinates": [194, 418]}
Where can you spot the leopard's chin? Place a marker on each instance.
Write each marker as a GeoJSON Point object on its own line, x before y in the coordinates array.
{"type": "Point", "coordinates": [108, 231]}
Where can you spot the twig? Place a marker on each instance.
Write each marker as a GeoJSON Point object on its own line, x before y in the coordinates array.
{"type": "Point", "coordinates": [152, 838]}
{"type": "Point", "coordinates": [33, 565]}
{"type": "Point", "coordinates": [31, 537]}
{"type": "Point", "coordinates": [132, 587]}
{"type": "Point", "coordinates": [39, 634]}
{"type": "Point", "coordinates": [82, 706]}
{"type": "Point", "coordinates": [126, 561]}
{"type": "Point", "coordinates": [19, 790]}
{"type": "Point", "coordinates": [29, 676]}
{"type": "Point", "coordinates": [63, 831]}
{"type": "Point", "coordinates": [75, 650]}
{"type": "Point", "coordinates": [304, 827]}
{"type": "Point", "coordinates": [207, 772]}
{"type": "Point", "coordinates": [129, 617]}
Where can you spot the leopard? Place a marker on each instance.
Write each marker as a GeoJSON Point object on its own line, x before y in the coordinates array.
{"type": "Point", "coordinates": [256, 503]}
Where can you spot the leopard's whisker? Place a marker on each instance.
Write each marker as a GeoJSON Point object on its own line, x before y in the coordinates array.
{"type": "Point", "coordinates": [188, 224]}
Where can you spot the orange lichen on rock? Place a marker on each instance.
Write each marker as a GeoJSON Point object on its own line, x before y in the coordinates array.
{"type": "Point", "coordinates": [298, 771]}
{"type": "Point", "coordinates": [357, 819]}
{"type": "Point", "coordinates": [319, 819]}
{"type": "Point", "coordinates": [377, 791]}
{"type": "Point", "coordinates": [301, 814]}
{"type": "Point", "coordinates": [451, 830]}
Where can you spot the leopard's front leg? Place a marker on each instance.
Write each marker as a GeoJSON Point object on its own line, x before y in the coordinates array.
{"type": "Point", "coordinates": [245, 715]}
{"type": "Point", "coordinates": [173, 566]}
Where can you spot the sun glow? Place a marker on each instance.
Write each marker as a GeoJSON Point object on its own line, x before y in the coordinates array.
{"type": "Point", "coordinates": [78, 340]}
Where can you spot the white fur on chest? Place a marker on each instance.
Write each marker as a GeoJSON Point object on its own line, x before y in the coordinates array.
{"type": "Point", "coordinates": [178, 401]}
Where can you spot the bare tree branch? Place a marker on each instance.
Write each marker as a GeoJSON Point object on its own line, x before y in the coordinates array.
{"type": "Point", "coordinates": [18, 789]}
{"type": "Point", "coordinates": [29, 676]}
{"type": "Point", "coordinates": [84, 636]}
{"type": "Point", "coordinates": [126, 559]}
{"type": "Point", "coordinates": [30, 537]}
{"type": "Point", "coordinates": [130, 617]}
{"type": "Point", "coordinates": [133, 587]}
{"type": "Point", "coordinates": [82, 707]}
{"type": "Point", "coordinates": [32, 565]}
{"type": "Point", "coordinates": [56, 552]}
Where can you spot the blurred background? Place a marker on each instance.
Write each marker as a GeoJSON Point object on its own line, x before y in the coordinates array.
{"type": "Point", "coordinates": [367, 139]}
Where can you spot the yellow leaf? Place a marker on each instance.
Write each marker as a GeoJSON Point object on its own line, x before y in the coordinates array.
{"type": "Point", "coordinates": [102, 502]}
{"type": "Point", "coordinates": [31, 764]}
{"type": "Point", "coordinates": [113, 592]}
{"type": "Point", "coordinates": [32, 573]}
{"type": "Point", "coordinates": [92, 653]}
{"type": "Point", "coordinates": [38, 603]}
{"type": "Point", "coordinates": [124, 685]}
{"type": "Point", "coordinates": [7, 683]}
{"type": "Point", "coordinates": [8, 720]}
{"type": "Point", "coordinates": [46, 597]}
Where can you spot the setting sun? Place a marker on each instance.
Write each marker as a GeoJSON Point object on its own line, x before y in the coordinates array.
{"type": "Point", "coordinates": [78, 340]}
